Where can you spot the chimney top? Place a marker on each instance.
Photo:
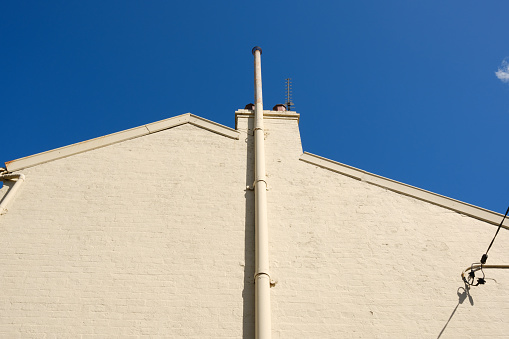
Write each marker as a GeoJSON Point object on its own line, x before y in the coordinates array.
{"type": "Point", "coordinates": [279, 107]}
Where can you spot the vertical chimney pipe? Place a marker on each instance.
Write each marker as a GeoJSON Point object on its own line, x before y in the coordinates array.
{"type": "Point", "coordinates": [262, 277]}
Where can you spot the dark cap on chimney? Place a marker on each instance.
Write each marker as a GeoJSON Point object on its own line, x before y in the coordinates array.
{"type": "Point", "coordinates": [279, 107]}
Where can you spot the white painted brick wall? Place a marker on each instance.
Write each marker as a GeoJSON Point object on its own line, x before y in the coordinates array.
{"type": "Point", "coordinates": [144, 238]}
{"type": "Point", "coordinates": [153, 237]}
{"type": "Point", "coordinates": [354, 260]}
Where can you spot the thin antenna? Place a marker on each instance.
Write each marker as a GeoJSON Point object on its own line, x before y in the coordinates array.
{"type": "Point", "coordinates": [289, 102]}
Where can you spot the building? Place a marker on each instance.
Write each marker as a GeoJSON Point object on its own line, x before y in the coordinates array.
{"type": "Point", "coordinates": [149, 232]}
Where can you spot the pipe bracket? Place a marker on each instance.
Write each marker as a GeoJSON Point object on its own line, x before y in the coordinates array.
{"type": "Point", "coordinates": [254, 184]}
{"type": "Point", "coordinates": [272, 282]}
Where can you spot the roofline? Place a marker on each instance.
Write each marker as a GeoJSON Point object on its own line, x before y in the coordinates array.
{"type": "Point", "coordinates": [114, 138]}
{"type": "Point", "coordinates": [408, 190]}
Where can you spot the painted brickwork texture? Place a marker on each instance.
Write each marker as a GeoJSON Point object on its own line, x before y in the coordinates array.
{"type": "Point", "coordinates": [153, 237]}
{"type": "Point", "coordinates": [144, 238]}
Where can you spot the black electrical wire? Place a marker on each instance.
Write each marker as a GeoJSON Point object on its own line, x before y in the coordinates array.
{"type": "Point", "coordinates": [471, 276]}
{"type": "Point", "coordinates": [485, 255]}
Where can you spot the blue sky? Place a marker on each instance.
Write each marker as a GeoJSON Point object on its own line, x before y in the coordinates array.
{"type": "Point", "coordinates": [404, 89]}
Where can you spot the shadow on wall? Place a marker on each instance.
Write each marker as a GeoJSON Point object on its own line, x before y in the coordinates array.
{"type": "Point", "coordinates": [248, 318]}
{"type": "Point", "coordinates": [4, 188]}
{"type": "Point", "coordinates": [463, 293]}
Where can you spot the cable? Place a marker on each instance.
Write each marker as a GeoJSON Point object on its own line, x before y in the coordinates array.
{"type": "Point", "coordinates": [479, 266]}
{"type": "Point", "coordinates": [485, 255]}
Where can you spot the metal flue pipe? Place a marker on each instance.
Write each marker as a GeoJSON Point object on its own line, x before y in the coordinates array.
{"type": "Point", "coordinates": [262, 277]}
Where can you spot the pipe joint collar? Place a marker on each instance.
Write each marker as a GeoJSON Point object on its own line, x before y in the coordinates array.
{"type": "Point", "coordinates": [261, 273]}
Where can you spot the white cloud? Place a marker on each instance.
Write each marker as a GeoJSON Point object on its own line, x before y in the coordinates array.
{"type": "Point", "coordinates": [503, 71]}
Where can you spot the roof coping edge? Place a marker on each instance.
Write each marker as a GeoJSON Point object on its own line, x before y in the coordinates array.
{"type": "Point", "coordinates": [106, 140]}
{"type": "Point", "coordinates": [405, 189]}
{"type": "Point", "coordinates": [213, 127]}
